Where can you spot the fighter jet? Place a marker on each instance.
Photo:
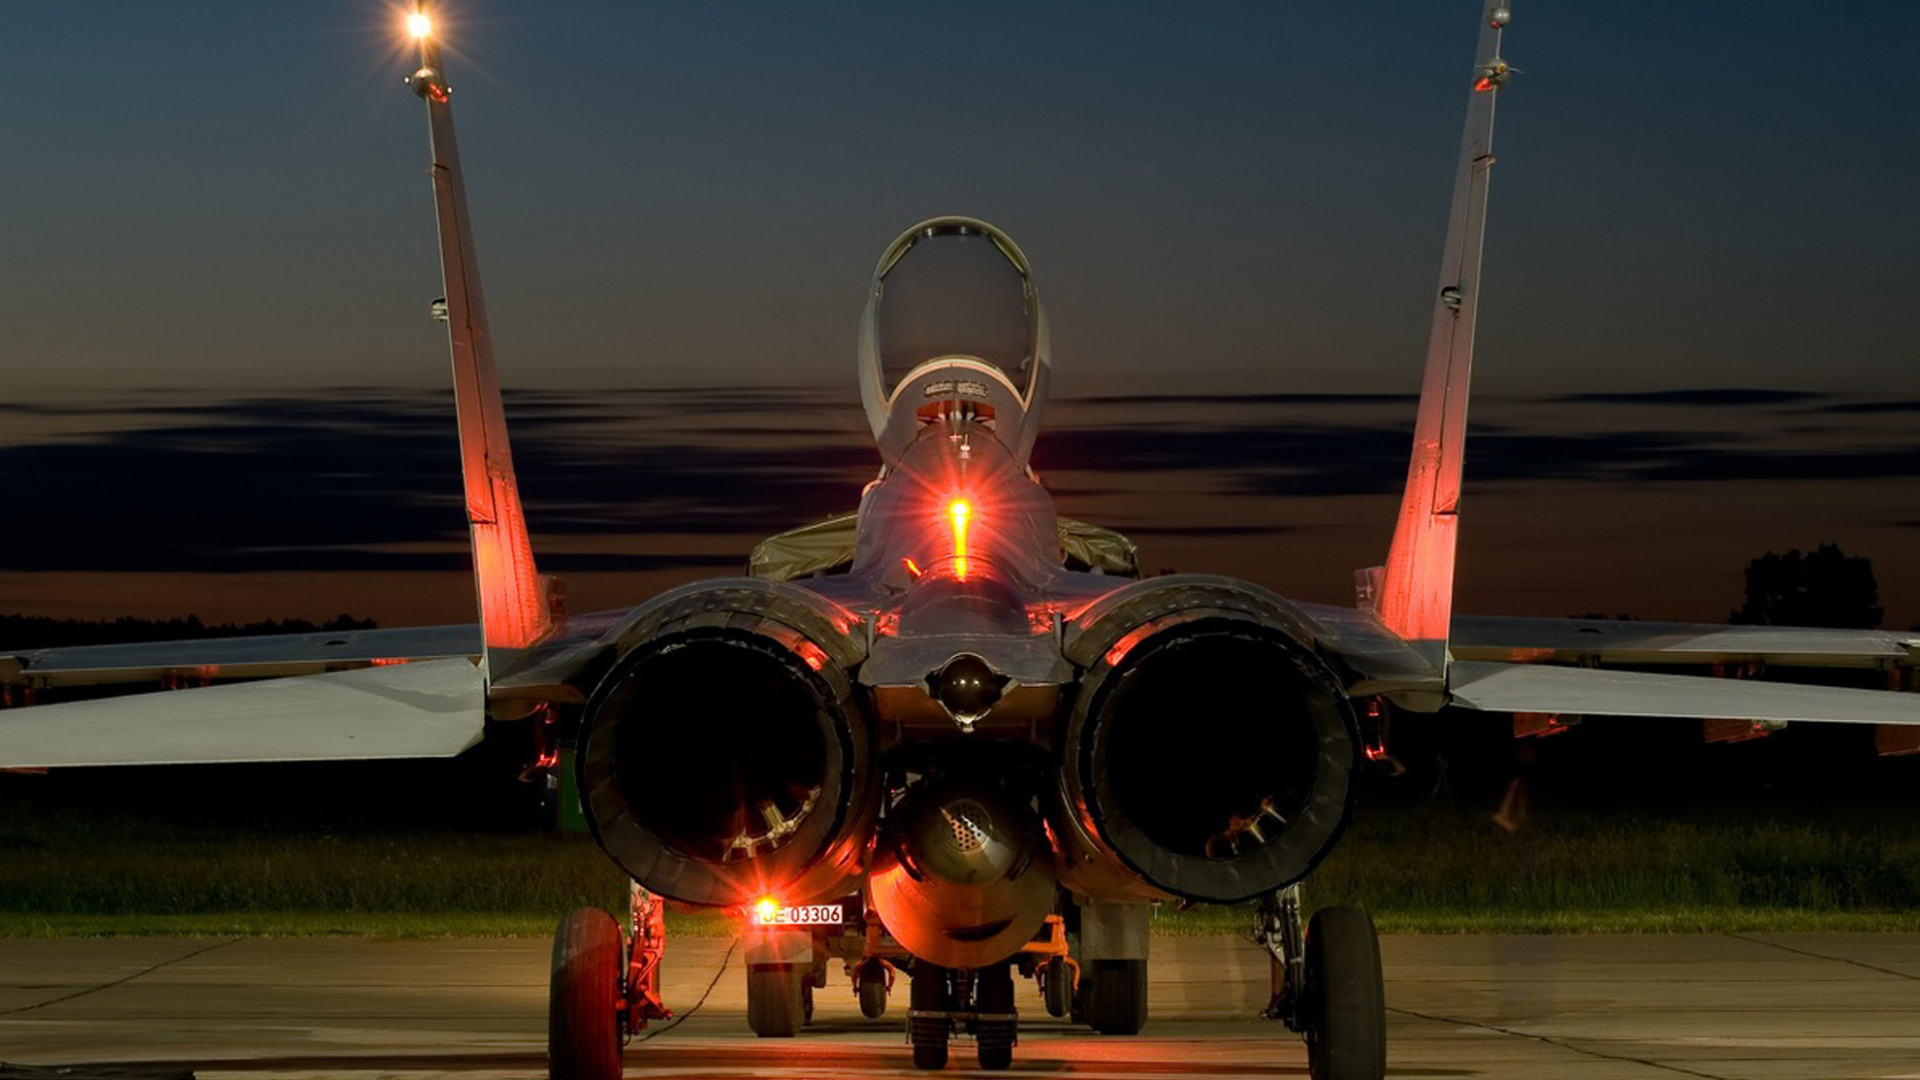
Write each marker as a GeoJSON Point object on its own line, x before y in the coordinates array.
{"type": "Point", "coordinates": [951, 734]}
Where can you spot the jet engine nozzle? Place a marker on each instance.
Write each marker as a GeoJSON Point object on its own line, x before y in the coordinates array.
{"type": "Point", "coordinates": [724, 755]}
{"type": "Point", "coordinates": [963, 875]}
{"type": "Point", "coordinates": [1210, 750]}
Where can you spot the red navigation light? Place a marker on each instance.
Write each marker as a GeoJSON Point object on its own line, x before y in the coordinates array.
{"type": "Point", "coordinates": [962, 515]}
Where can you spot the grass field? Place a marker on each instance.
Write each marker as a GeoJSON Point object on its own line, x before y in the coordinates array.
{"type": "Point", "coordinates": [1419, 871]}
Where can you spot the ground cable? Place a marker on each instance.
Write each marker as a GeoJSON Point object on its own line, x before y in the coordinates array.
{"type": "Point", "coordinates": [675, 1022]}
{"type": "Point", "coordinates": [117, 982]}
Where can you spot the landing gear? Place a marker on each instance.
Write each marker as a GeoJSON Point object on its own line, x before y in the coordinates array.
{"type": "Point", "coordinates": [1112, 947]}
{"type": "Point", "coordinates": [1347, 1035]}
{"type": "Point", "coordinates": [1114, 998]}
{"type": "Point", "coordinates": [995, 1024]}
{"type": "Point", "coordinates": [870, 984]}
{"type": "Point", "coordinates": [930, 1021]}
{"type": "Point", "coordinates": [1056, 987]}
{"type": "Point", "coordinates": [583, 1003]}
{"type": "Point", "coordinates": [1328, 986]}
{"type": "Point", "coordinates": [603, 987]}
{"type": "Point", "coordinates": [978, 1001]}
{"type": "Point", "coordinates": [778, 1000]}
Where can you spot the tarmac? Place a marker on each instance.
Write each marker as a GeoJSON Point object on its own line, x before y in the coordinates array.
{"type": "Point", "coordinates": [1753, 1007]}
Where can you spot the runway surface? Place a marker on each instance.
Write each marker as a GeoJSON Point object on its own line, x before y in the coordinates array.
{"type": "Point", "coordinates": [1755, 1007]}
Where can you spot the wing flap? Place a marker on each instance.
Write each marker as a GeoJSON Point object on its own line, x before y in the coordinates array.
{"type": "Point", "coordinates": [1539, 688]}
{"type": "Point", "coordinates": [436, 708]}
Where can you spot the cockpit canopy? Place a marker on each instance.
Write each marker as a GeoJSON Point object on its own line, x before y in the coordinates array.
{"type": "Point", "coordinates": [953, 321]}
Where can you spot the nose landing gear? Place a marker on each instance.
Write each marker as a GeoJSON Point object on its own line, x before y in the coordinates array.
{"type": "Point", "coordinates": [978, 1002]}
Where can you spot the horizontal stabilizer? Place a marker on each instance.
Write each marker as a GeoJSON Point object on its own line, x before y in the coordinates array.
{"type": "Point", "coordinates": [431, 709]}
{"type": "Point", "coordinates": [1539, 688]}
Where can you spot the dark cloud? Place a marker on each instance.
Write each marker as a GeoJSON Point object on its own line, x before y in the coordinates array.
{"type": "Point", "coordinates": [350, 481]}
{"type": "Point", "coordinates": [322, 484]}
{"type": "Point", "coordinates": [1729, 396]}
{"type": "Point", "coordinates": [1313, 460]}
{"type": "Point", "coordinates": [1242, 399]}
{"type": "Point", "coordinates": [1868, 408]}
{"type": "Point", "coordinates": [1204, 530]}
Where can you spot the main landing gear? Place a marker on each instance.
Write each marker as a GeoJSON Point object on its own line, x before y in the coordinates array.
{"type": "Point", "coordinates": [1327, 986]}
{"type": "Point", "coordinates": [605, 986]}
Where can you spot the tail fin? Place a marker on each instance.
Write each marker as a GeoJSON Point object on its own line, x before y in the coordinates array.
{"type": "Point", "coordinates": [514, 610]}
{"type": "Point", "coordinates": [1413, 592]}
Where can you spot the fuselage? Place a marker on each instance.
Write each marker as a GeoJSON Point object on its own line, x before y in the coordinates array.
{"type": "Point", "coordinates": [951, 721]}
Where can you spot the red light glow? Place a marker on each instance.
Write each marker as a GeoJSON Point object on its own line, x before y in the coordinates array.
{"type": "Point", "coordinates": [766, 911]}
{"type": "Point", "coordinates": [815, 657]}
{"type": "Point", "coordinates": [962, 515]}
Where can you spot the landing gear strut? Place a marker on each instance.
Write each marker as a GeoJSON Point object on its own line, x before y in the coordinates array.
{"type": "Point", "coordinates": [1327, 986]}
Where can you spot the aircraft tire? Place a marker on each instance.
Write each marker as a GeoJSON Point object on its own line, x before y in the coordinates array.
{"type": "Point", "coordinates": [871, 981]}
{"type": "Point", "coordinates": [776, 1000]}
{"type": "Point", "coordinates": [1345, 997]}
{"type": "Point", "coordinates": [1056, 988]}
{"type": "Point", "coordinates": [928, 1034]}
{"type": "Point", "coordinates": [583, 1018]}
{"type": "Point", "coordinates": [1116, 1002]}
{"type": "Point", "coordinates": [993, 1038]}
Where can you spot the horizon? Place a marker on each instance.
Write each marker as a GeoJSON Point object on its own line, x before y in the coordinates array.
{"type": "Point", "coordinates": [1689, 327]}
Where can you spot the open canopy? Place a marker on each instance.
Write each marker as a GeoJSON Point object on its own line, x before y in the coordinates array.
{"type": "Point", "coordinates": [952, 291]}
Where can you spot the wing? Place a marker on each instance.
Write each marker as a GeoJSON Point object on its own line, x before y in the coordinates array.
{"type": "Point", "coordinates": [1581, 667]}
{"type": "Point", "coordinates": [209, 660]}
{"type": "Point", "coordinates": [1536, 688]}
{"type": "Point", "coordinates": [1596, 667]}
{"type": "Point", "coordinates": [436, 708]}
{"type": "Point", "coordinates": [1609, 643]}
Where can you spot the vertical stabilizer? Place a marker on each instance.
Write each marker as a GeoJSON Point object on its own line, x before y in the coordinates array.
{"type": "Point", "coordinates": [1413, 592]}
{"type": "Point", "coordinates": [513, 601]}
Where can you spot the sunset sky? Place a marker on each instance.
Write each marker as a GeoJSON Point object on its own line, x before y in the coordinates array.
{"type": "Point", "coordinates": [222, 392]}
